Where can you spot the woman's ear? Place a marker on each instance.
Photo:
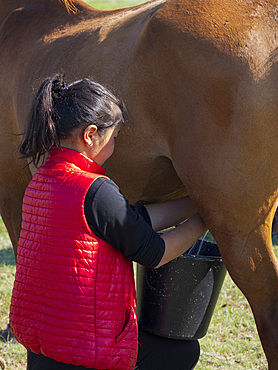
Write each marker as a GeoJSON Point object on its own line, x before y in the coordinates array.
{"type": "Point", "coordinates": [90, 135]}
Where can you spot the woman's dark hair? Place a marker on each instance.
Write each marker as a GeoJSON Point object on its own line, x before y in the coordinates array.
{"type": "Point", "coordinates": [58, 110]}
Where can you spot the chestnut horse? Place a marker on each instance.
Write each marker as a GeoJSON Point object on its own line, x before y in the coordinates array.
{"type": "Point", "coordinates": [200, 82]}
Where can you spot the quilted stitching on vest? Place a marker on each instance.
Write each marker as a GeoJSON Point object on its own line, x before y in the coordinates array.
{"type": "Point", "coordinates": [73, 297]}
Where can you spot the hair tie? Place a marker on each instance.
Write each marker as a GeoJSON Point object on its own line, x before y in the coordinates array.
{"type": "Point", "coordinates": [58, 88]}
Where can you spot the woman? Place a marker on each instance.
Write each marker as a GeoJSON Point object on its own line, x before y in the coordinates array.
{"type": "Point", "coordinates": [73, 304]}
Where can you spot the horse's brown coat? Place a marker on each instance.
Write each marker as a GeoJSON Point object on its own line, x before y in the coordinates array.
{"type": "Point", "coordinates": [199, 79]}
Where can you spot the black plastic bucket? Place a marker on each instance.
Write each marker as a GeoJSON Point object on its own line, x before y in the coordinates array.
{"type": "Point", "coordinates": [177, 300]}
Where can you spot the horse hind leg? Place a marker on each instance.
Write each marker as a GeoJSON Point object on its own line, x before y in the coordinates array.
{"type": "Point", "coordinates": [253, 266]}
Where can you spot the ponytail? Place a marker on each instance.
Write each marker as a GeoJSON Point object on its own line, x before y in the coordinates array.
{"type": "Point", "coordinates": [41, 133]}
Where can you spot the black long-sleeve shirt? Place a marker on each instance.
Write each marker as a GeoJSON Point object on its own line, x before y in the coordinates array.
{"type": "Point", "coordinates": [112, 218]}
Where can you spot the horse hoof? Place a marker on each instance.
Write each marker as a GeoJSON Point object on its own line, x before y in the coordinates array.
{"type": "Point", "coordinates": [2, 363]}
{"type": "Point", "coordinates": [7, 335]}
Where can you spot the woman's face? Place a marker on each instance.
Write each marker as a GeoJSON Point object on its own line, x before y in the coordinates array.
{"type": "Point", "coordinates": [103, 146]}
{"type": "Point", "coordinates": [96, 147]}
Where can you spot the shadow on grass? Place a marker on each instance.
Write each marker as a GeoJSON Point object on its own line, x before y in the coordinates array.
{"type": "Point", "coordinates": [7, 256]}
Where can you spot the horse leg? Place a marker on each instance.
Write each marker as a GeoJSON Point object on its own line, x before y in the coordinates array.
{"type": "Point", "coordinates": [253, 267]}
{"type": "Point", "coordinates": [12, 187]}
{"type": "Point", "coordinates": [13, 182]}
{"type": "Point", "coordinates": [15, 174]}
{"type": "Point", "coordinates": [3, 364]}
{"type": "Point", "coordinates": [240, 222]}
{"type": "Point", "coordinates": [243, 236]}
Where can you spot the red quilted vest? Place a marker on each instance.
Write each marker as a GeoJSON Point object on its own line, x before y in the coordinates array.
{"type": "Point", "coordinates": [73, 298]}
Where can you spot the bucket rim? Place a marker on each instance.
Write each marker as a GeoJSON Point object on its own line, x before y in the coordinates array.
{"type": "Point", "coordinates": [202, 258]}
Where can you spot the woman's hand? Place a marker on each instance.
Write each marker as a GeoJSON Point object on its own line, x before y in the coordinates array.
{"type": "Point", "coordinates": [178, 240]}
{"type": "Point", "coordinates": [181, 238]}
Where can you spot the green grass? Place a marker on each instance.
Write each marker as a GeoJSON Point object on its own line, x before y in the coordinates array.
{"type": "Point", "coordinates": [113, 4]}
{"type": "Point", "coordinates": [231, 342]}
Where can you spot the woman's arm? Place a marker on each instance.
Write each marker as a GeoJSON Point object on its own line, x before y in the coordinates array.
{"type": "Point", "coordinates": [181, 238]}
{"type": "Point", "coordinates": [178, 240]}
{"type": "Point", "coordinates": [111, 218]}
{"type": "Point", "coordinates": [170, 213]}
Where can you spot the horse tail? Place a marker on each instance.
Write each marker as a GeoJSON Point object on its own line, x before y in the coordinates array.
{"type": "Point", "coordinates": [69, 4]}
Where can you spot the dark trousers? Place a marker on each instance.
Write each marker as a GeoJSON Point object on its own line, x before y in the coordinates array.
{"type": "Point", "coordinates": [154, 353]}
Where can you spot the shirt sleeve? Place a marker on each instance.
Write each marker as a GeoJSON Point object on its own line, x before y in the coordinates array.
{"type": "Point", "coordinates": [112, 218]}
